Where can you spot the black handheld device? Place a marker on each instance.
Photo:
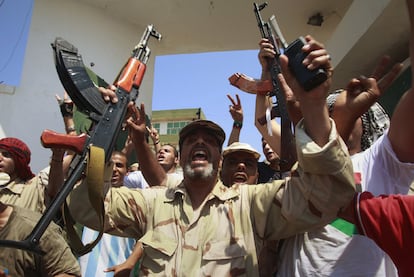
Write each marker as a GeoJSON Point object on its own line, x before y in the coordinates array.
{"type": "Point", "coordinates": [309, 79]}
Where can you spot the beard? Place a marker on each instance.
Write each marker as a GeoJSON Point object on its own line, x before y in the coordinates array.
{"type": "Point", "coordinates": [207, 173]}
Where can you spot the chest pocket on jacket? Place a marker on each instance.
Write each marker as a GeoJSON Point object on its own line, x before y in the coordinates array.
{"type": "Point", "coordinates": [221, 257]}
{"type": "Point", "coordinates": [158, 250]}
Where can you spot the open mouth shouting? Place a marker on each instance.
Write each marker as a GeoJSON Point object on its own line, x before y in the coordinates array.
{"type": "Point", "coordinates": [199, 156]}
{"type": "Point", "coordinates": [239, 177]}
{"type": "Point", "coordinates": [160, 157]}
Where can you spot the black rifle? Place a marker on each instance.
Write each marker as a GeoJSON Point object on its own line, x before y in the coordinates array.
{"type": "Point", "coordinates": [107, 120]}
{"type": "Point", "coordinates": [288, 149]}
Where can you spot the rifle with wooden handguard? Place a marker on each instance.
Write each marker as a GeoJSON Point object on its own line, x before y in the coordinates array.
{"type": "Point", "coordinates": [107, 120]}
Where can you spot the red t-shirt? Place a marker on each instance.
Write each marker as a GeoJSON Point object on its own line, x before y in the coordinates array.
{"type": "Point", "coordinates": [389, 221]}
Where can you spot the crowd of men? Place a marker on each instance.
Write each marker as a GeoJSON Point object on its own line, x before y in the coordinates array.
{"type": "Point", "coordinates": [342, 209]}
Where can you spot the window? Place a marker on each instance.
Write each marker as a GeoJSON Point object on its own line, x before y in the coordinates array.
{"type": "Point", "coordinates": [156, 126]}
{"type": "Point", "coordinates": [173, 128]}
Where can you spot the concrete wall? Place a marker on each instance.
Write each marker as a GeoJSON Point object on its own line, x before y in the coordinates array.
{"type": "Point", "coordinates": [107, 42]}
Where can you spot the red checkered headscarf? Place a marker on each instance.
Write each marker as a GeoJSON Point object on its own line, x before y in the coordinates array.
{"type": "Point", "coordinates": [20, 154]}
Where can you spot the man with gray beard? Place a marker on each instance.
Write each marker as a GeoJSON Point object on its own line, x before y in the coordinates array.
{"type": "Point", "coordinates": [208, 172]}
{"type": "Point", "coordinates": [203, 228]}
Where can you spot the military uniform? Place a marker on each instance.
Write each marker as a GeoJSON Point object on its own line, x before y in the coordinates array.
{"type": "Point", "coordinates": [29, 194]}
{"type": "Point", "coordinates": [58, 257]}
{"type": "Point", "coordinates": [224, 235]}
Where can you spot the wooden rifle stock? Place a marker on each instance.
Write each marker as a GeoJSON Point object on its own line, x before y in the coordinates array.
{"type": "Point", "coordinates": [51, 139]}
{"type": "Point", "coordinates": [250, 85]}
{"type": "Point", "coordinates": [254, 86]}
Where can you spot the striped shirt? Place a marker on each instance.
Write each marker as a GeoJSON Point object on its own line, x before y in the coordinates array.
{"type": "Point", "coordinates": [110, 251]}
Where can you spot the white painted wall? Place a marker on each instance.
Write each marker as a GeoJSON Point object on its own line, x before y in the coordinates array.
{"type": "Point", "coordinates": [361, 13]}
{"type": "Point", "coordinates": [100, 38]}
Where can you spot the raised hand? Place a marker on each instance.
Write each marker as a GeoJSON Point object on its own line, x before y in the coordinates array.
{"type": "Point", "coordinates": [361, 93]}
{"type": "Point", "coordinates": [108, 94]}
{"type": "Point", "coordinates": [155, 137]}
{"type": "Point", "coordinates": [317, 57]}
{"type": "Point", "coordinates": [235, 108]}
{"type": "Point", "coordinates": [313, 102]}
{"type": "Point", "coordinates": [136, 123]}
{"type": "Point", "coordinates": [266, 54]}
{"type": "Point", "coordinates": [383, 76]}
{"type": "Point", "coordinates": [65, 104]}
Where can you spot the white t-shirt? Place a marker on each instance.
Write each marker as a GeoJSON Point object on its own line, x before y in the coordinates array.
{"type": "Point", "coordinates": [381, 171]}
{"type": "Point", "coordinates": [135, 180]}
{"type": "Point", "coordinates": [330, 252]}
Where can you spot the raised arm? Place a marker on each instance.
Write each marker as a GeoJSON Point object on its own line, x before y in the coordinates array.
{"type": "Point", "coordinates": [67, 109]}
{"type": "Point", "coordinates": [264, 102]}
{"type": "Point", "coordinates": [128, 146]}
{"type": "Point", "coordinates": [61, 158]}
{"type": "Point", "coordinates": [155, 137]}
{"type": "Point", "coordinates": [360, 94]}
{"type": "Point", "coordinates": [401, 132]}
{"type": "Point", "coordinates": [316, 138]}
{"type": "Point", "coordinates": [317, 56]}
{"type": "Point", "coordinates": [153, 173]}
{"type": "Point", "coordinates": [236, 113]}
{"type": "Point", "coordinates": [56, 172]}
{"type": "Point", "coordinates": [312, 103]}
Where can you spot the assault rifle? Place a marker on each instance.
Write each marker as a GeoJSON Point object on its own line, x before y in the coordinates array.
{"type": "Point", "coordinates": [308, 79]}
{"type": "Point", "coordinates": [288, 149]}
{"type": "Point", "coordinates": [93, 150]}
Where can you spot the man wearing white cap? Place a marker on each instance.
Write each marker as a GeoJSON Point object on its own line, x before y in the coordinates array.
{"type": "Point", "coordinates": [239, 164]}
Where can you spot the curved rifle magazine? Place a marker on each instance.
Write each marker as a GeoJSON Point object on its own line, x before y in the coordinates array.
{"type": "Point", "coordinates": [75, 79]}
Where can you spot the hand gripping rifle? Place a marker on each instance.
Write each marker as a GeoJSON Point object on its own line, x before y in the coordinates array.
{"type": "Point", "coordinates": [93, 150]}
{"type": "Point", "coordinates": [288, 149]}
{"type": "Point", "coordinates": [308, 79]}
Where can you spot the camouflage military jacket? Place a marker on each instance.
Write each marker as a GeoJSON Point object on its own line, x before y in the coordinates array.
{"type": "Point", "coordinates": [223, 236]}
{"type": "Point", "coordinates": [30, 194]}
